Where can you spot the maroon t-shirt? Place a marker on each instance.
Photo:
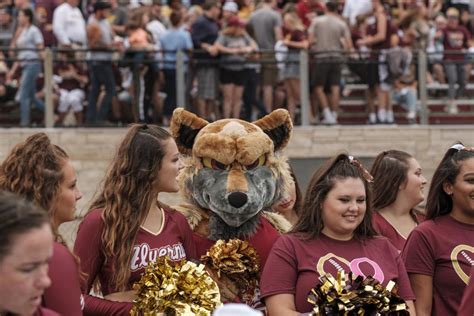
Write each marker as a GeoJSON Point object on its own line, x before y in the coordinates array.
{"type": "Point", "coordinates": [467, 304]}
{"type": "Point", "coordinates": [455, 39]}
{"type": "Point", "coordinates": [69, 83]}
{"type": "Point", "coordinates": [64, 295]}
{"type": "Point", "coordinates": [262, 241]}
{"type": "Point", "coordinates": [442, 248]}
{"type": "Point", "coordinates": [175, 241]}
{"type": "Point", "coordinates": [384, 228]}
{"type": "Point", "coordinates": [295, 265]}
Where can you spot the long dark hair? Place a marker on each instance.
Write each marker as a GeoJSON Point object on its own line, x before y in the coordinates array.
{"type": "Point", "coordinates": [440, 203]}
{"type": "Point", "coordinates": [17, 216]}
{"type": "Point", "coordinates": [389, 170]}
{"type": "Point", "coordinates": [128, 193]}
{"type": "Point", "coordinates": [310, 223]}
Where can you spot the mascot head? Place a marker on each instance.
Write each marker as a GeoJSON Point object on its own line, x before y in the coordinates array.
{"type": "Point", "coordinates": [232, 170]}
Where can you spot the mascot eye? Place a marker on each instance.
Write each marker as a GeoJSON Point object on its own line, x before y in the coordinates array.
{"type": "Point", "coordinates": [257, 163]}
{"type": "Point", "coordinates": [214, 164]}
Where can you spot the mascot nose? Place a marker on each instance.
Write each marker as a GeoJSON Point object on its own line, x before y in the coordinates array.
{"type": "Point", "coordinates": [237, 199]}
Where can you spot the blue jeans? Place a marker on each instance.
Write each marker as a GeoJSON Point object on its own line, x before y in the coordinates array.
{"type": "Point", "coordinates": [29, 74]}
{"type": "Point", "coordinates": [406, 98]}
{"type": "Point", "coordinates": [101, 73]}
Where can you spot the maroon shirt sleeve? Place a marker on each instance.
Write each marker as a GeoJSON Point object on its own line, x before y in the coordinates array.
{"type": "Point", "coordinates": [467, 304]}
{"type": "Point", "coordinates": [88, 247]}
{"type": "Point", "coordinates": [64, 294]}
{"type": "Point", "coordinates": [418, 254]}
{"type": "Point", "coordinates": [280, 272]}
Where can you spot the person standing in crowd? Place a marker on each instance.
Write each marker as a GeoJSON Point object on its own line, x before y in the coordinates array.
{"type": "Point", "coordinates": [266, 27]}
{"type": "Point", "coordinates": [127, 227]}
{"type": "Point", "coordinates": [42, 172]}
{"type": "Point", "coordinates": [295, 39]}
{"type": "Point", "coordinates": [69, 26]}
{"type": "Point", "coordinates": [397, 189]}
{"type": "Point", "coordinates": [378, 38]}
{"type": "Point", "coordinates": [290, 205]}
{"type": "Point", "coordinates": [204, 33]}
{"type": "Point", "coordinates": [329, 36]}
{"type": "Point", "coordinates": [175, 39]}
{"type": "Point", "coordinates": [456, 39]}
{"type": "Point", "coordinates": [100, 39]}
{"type": "Point", "coordinates": [437, 252]}
{"type": "Point", "coordinates": [307, 10]}
{"type": "Point", "coordinates": [333, 232]}
{"type": "Point", "coordinates": [6, 26]}
{"type": "Point", "coordinates": [234, 44]}
{"type": "Point", "coordinates": [26, 246]}
{"type": "Point", "coordinates": [29, 42]}
{"type": "Point", "coordinates": [229, 10]}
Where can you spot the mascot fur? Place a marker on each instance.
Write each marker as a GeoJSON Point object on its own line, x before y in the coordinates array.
{"type": "Point", "coordinates": [233, 174]}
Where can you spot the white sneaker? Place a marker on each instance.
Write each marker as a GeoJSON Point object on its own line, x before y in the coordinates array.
{"type": "Point", "coordinates": [372, 118]}
{"type": "Point", "coordinates": [390, 117]}
{"type": "Point", "coordinates": [382, 115]}
{"type": "Point", "coordinates": [411, 115]}
{"type": "Point", "coordinates": [452, 108]}
{"type": "Point", "coordinates": [328, 119]}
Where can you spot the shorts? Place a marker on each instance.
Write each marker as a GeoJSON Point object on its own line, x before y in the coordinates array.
{"type": "Point", "coordinates": [373, 78]}
{"type": "Point", "coordinates": [326, 73]}
{"type": "Point", "coordinates": [207, 82]}
{"type": "Point", "coordinates": [237, 77]}
{"type": "Point", "coordinates": [71, 99]}
{"type": "Point", "coordinates": [269, 70]}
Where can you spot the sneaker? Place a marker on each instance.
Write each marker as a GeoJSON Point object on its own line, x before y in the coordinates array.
{"type": "Point", "coordinates": [452, 108]}
{"type": "Point", "coordinates": [382, 115]}
{"type": "Point", "coordinates": [390, 117]}
{"type": "Point", "coordinates": [411, 115]}
{"type": "Point", "coordinates": [372, 118]}
{"type": "Point", "coordinates": [328, 119]}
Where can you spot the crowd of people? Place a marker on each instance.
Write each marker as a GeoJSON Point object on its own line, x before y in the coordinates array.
{"type": "Point", "coordinates": [115, 60]}
{"type": "Point", "coordinates": [347, 219]}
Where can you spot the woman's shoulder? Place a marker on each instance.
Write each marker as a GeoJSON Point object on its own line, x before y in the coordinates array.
{"type": "Point", "coordinates": [174, 215]}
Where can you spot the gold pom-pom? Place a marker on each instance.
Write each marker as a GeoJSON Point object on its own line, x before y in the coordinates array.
{"type": "Point", "coordinates": [180, 288]}
{"type": "Point", "coordinates": [237, 261]}
{"type": "Point", "coordinates": [350, 295]}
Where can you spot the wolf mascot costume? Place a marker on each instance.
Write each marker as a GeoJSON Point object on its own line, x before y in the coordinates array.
{"type": "Point", "coordinates": [232, 175]}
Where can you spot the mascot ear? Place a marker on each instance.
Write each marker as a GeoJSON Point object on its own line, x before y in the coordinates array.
{"type": "Point", "coordinates": [184, 127]}
{"type": "Point", "coordinates": [277, 125]}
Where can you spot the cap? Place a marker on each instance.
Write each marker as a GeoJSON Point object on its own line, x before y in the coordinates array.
{"type": "Point", "coordinates": [101, 5]}
{"type": "Point", "coordinates": [230, 6]}
{"type": "Point", "coordinates": [235, 22]}
{"type": "Point", "coordinates": [452, 12]}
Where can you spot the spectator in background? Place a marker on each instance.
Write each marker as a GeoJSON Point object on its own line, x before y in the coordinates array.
{"type": "Point", "coordinates": [6, 26]}
{"type": "Point", "coordinates": [174, 40]}
{"type": "Point", "coordinates": [378, 39]}
{"type": "Point", "coordinates": [29, 60]}
{"type": "Point", "coordinates": [100, 38]}
{"type": "Point", "coordinates": [329, 35]}
{"type": "Point", "coordinates": [265, 24]}
{"type": "Point", "coordinates": [354, 8]}
{"type": "Point", "coordinates": [229, 10]}
{"type": "Point", "coordinates": [307, 10]}
{"type": "Point", "coordinates": [71, 88]}
{"type": "Point", "coordinates": [435, 48]}
{"type": "Point", "coordinates": [44, 10]}
{"type": "Point", "coordinates": [69, 25]}
{"type": "Point", "coordinates": [295, 39]}
{"type": "Point", "coordinates": [204, 33]}
{"type": "Point", "coordinates": [191, 16]}
{"type": "Point", "coordinates": [118, 17]}
{"type": "Point", "coordinates": [233, 44]}
{"type": "Point", "coordinates": [456, 39]}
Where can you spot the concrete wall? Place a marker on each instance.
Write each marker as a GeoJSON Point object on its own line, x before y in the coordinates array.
{"type": "Point", "coordinates": [92, 149]}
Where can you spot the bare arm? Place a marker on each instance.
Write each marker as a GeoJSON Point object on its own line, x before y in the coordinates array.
{"type": "Point", "coordinates": [278, 33]}
{"type": "Point", "coordinates": [411, 308]}
{"type": "Point", "coordinates": [281, 305]}
{"type": "Point", "coordinates": [422, 286]}
{"type": "Point", "coordinates": [381, 32]}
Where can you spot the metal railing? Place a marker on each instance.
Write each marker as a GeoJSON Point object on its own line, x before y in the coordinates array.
{"type": "Point", "coordinates": [182, 63]}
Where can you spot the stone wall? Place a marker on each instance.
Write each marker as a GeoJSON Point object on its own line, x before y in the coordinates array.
{"type": "Point", "coordinates": [92, 149]}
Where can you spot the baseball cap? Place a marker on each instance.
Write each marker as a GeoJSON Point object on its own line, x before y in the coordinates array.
{"type": "Point", "coordinates": [230, 6]}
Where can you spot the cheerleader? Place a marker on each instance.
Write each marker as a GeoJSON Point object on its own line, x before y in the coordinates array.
{"type": "Point", "coordinates": [334, 232]}
{"type": "Point", "coordinates": [42, 173]}
{"type": "Point", "coordinates": [127, 227]}
{"type": "Point", "coordinates": [397, 189]}
{"type": "Point", "coordinates": [438, 254]}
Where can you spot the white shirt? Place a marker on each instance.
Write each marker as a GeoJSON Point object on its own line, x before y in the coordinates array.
{"type": "Point", "coordinates": [69, 25]}
{"type": "Point", "coordinates": [353, 8]}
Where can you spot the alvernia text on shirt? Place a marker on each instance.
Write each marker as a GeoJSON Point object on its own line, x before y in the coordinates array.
{"type": "Point", "coordinates": [142, 254]}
